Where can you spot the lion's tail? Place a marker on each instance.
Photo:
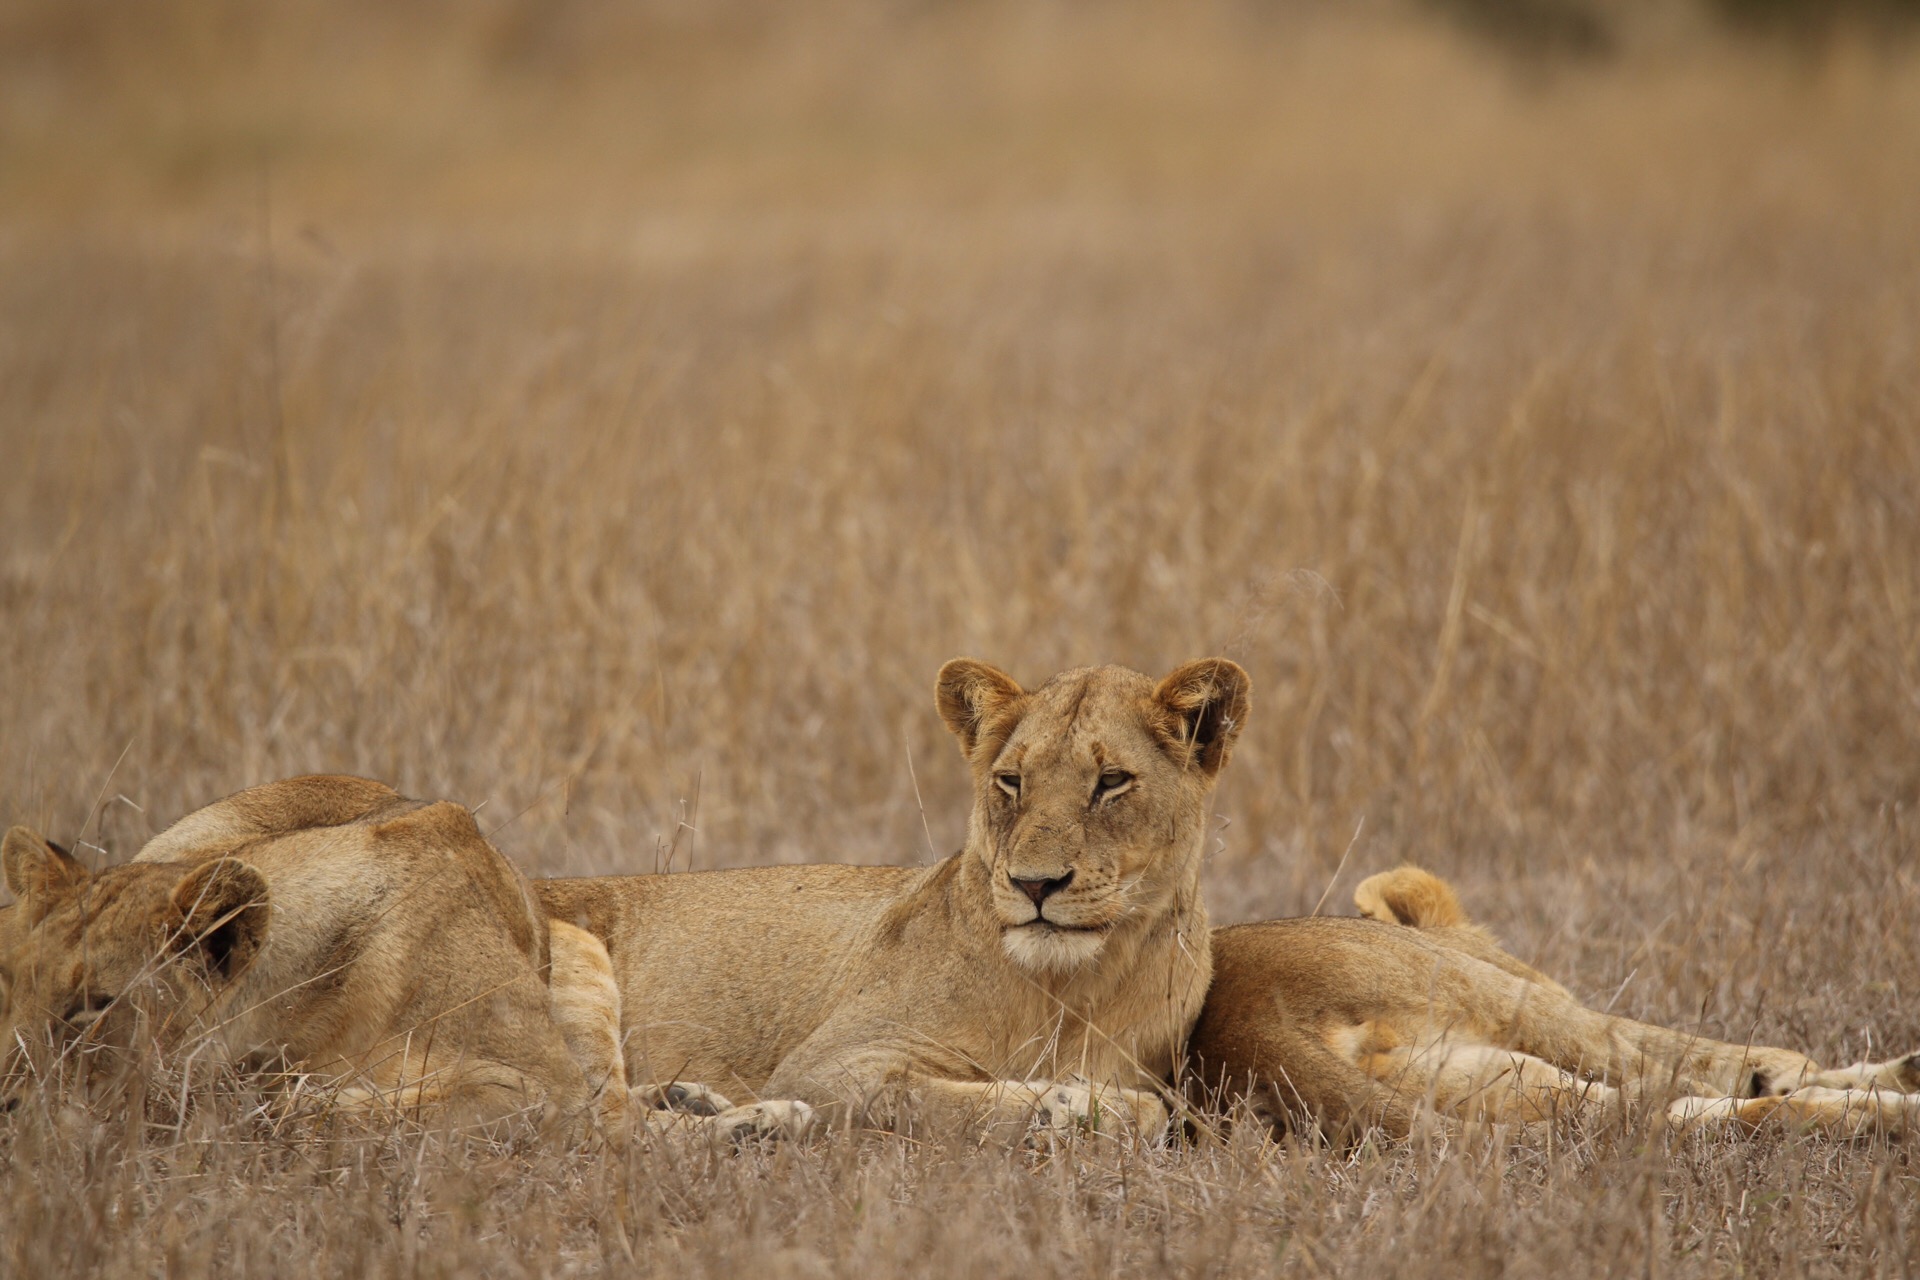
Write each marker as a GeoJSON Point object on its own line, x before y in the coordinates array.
{"type": "Point", "coordinates": [1421, 900]}
{"type": "Point", "coordinates": [1410, 896]}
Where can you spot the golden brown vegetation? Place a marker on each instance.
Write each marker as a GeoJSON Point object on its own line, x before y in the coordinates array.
{"type": "Point", "coordinates": [612, 417]}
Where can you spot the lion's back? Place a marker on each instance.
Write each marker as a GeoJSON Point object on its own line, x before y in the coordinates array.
{"type": "Point", "coordinates": [386, 911]}
{"type": "Point", "coordinates": [796, 931]}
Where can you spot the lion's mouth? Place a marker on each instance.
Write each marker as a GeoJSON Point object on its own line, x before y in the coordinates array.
{"type": "Point", "coordinates": [1054, 926]}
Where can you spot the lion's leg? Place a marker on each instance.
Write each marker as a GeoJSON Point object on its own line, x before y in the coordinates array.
{"type": "Point", "coordinates": [461, 1091]}
{"type": "Point", "coordinates": [1636, 1057]}
{"type": "Point", "coordinates": [1846, 1113]}
{"type": "Point", "coordinates": [586, 1009]}
{"type": "Point", "coordinates": [585, 1001]}
{"type": "Point", "coordinates": [1901, 1075]}
{"type": "Point", "coordinates": [1291, 1077]}
{"type": "Point", "coordinates": [489, 1058]}
{"type": "Point", "coordinates": [1044, 1104]}
{"type": "Point", "coordinates": [1543, 1021]}
{"type": "Point", "coordinates": [889, 1086]}
{"type": "Point", "coordinates": [1717, 1080]}
{"type": "Point", "coordinates": [774, 1118]}
{"type": "Point", "coordinates": [1642, 1057]}
{"type": "Point", "coordinates": [1482, 1082]}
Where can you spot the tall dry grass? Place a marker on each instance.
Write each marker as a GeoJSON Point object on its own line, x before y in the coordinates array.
{"type": "Point", "coordinates": [611, 416]}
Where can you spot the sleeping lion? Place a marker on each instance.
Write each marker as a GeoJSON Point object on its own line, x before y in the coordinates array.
{"type": "Point", "coordinates": [1344, 1024]}
{"type": "Point", "coordinates": [321, 929]}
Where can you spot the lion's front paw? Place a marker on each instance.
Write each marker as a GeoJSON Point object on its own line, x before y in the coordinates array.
{"type": "Point", "coordinates": [681, 1099]}
{"type": "Point", "coordinates": [776, 1119]}
{"type": "Point", "coordinates": [1101, 1109]}
{"type": "Point", "coordinates": [1684, 1113]}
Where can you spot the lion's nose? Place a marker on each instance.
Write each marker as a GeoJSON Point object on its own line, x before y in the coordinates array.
{"type": "Point", "coordinates": [1041, 890]}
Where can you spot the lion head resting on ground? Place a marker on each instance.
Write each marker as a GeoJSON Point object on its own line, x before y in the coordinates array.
{"type": "Point", "coordinates": [321, 926]}
{"type": "Point", "coordinates": [1052, 966]}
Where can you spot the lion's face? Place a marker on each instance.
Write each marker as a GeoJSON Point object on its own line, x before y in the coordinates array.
{"type": "Point", "coordinates": [92, 963]}
{"type": "Point", "coordinates": [1090, 795]}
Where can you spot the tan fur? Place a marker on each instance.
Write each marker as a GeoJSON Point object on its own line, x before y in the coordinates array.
{"type": "Point", "coordinates": [1410, 896]}
{"type": "Point", "coordinates": [952, 989]}
{"type": "Point", "coordinates": [326, 926]}
{"type": "Point", "coordinates": [1416, 897]}
{"type": "Point", "coordinates": [1346, 1024]}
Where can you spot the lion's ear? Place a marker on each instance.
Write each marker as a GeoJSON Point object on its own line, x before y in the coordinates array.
{"type": "Point", "coordinates": [224, 904]}
{"type": "Point", "coordinates": [36, 868]}
{"type": "Point", "coordinates": [975, 700]}
{"type": "Point", "coordinates": [1206, 702]}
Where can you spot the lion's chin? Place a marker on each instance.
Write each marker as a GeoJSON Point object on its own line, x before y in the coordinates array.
{"type": "Point", "coordinates": [1047, 949]}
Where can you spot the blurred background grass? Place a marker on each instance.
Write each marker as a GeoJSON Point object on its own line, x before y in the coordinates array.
{"type": "Point", "coordinates": [612, 414]}
{"type": "Point", "coordinates": [583, 405]}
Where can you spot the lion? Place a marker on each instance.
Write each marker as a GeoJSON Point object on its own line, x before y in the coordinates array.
{"type": "Point", "coordinates": [323, 928]}
{"type": "Point", "coordinates": [1342, 1025]}
{"type": "Point", "coordinates": [1047, 973]}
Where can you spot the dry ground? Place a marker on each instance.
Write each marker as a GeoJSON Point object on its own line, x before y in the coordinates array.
{"type": "Point", "coordinates": [613, 415]}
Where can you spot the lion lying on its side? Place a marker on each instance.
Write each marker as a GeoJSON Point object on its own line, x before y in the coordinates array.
{"type": "Point", "coordinates": [324, 926]}
{"type": "Point", "coordinates": [1346, 1024]}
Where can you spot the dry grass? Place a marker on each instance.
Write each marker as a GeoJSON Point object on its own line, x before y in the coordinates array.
{"type": "Point", "coordinates": [615, 415]}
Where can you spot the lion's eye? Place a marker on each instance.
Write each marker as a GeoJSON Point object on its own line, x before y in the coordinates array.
{"type": "Point", "coordinates": [1009, 783]}
{"type": "Point", "coordinates": [1112, 783]}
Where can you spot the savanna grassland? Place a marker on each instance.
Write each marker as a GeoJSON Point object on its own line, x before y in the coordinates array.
{"type": "Point", "coordinates": [611, 416]}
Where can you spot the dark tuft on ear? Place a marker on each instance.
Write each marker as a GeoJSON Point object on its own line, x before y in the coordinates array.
{"type": "Point", "coordinates": [979, 703]}
{"type": "Point", "coordinates": [224, 905]}
{"type": "Point", "coordinates": [1206, 705]}
{"type": "Point", "coordinates": [38, 870]}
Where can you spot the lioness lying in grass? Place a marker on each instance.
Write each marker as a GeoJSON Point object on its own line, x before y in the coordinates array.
{"type": "Point", "coordinates": [1049, 970]}
{"type": "Point", "coordinates": [325, 929]}
{"type": "Point", "coordinates": [1344, 1024]}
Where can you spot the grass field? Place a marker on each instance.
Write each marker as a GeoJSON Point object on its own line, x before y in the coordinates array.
{"type": "Point", "coordinates": [612, 416]}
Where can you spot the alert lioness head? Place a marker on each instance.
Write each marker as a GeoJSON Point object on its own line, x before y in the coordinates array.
{"type": "Point", "coordinates": [1090, 794]}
